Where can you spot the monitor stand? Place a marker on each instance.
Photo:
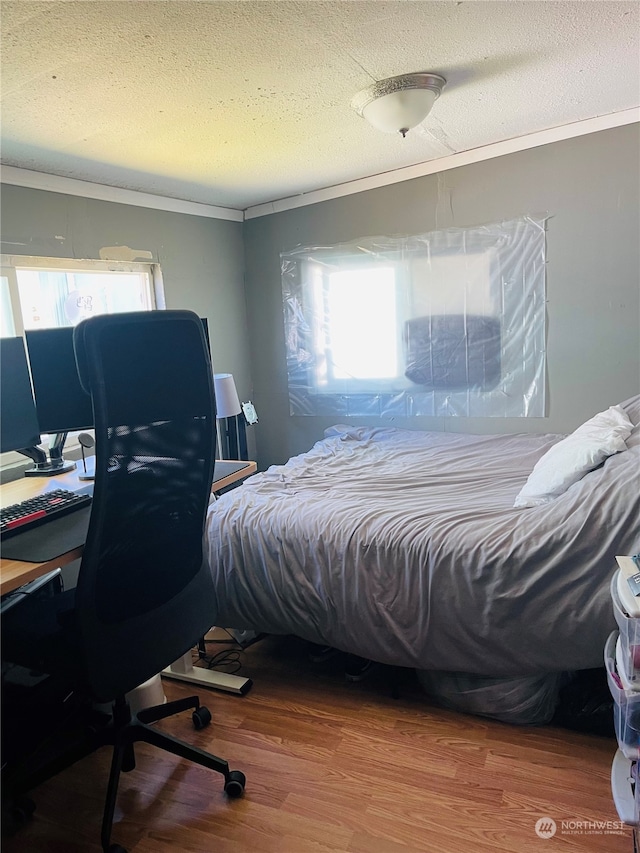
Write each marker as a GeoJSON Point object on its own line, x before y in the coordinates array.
{"type": "Point", "coordinates": [56, 464]}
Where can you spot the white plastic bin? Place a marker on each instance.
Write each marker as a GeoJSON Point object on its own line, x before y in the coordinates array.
{"type": "Point", "coordinates": [625, 789]}
{"type": "Point", "coordinates": [626, 713]}
{"type": "Point", "coordinates": [629, 627]}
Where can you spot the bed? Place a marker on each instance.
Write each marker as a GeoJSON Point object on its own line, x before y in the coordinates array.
{"type": "Point", "coordinates": [405, 547]}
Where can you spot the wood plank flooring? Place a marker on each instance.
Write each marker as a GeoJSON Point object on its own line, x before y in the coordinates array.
{"type": "Point", "coordinates": [333, 766]}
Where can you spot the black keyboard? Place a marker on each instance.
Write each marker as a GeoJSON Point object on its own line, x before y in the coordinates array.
{"type": "Point", "coordinates": [18, 518]}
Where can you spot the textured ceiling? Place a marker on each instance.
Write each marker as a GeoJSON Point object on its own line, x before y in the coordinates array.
{"type": "Point", "coordinates": [239, 103]}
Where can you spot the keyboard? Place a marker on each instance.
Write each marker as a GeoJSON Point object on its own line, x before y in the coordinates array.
{"type": "Point", "coordinates": [23, 516]}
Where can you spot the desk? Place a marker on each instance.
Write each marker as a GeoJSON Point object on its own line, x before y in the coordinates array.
{"type": "Point", "coordinates": [15, 573]}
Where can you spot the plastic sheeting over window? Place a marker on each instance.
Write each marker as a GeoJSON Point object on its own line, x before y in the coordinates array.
{"type": "Point", "coordinates": [446, 323]}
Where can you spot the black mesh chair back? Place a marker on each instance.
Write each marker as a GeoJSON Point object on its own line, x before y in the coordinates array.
{"type": "Point", "coordinates": [144, 596]}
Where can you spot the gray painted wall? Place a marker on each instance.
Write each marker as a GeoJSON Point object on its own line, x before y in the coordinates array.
{"type": "Point", "coordinates": [589, 188]}
{"type": "Point", "coordinates": [201, 259]}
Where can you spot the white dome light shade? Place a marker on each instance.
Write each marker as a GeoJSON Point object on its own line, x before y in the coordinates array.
{"type": "Point", "coordinates": [399, 110]}
{"type": "Point", "coordinates": [397, 104]}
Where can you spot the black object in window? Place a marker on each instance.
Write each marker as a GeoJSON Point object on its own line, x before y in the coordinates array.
{"type": "Point", "coordinates": [453, 351]}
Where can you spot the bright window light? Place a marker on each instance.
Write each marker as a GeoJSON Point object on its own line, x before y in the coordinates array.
{"type": "Point", "coordinates": [362, 323]}
{"type": "Point", "coordinates": [51, 298]}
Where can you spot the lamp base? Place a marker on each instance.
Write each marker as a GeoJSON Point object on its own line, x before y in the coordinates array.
{"type": "Point", "coordinates": [235, 433]}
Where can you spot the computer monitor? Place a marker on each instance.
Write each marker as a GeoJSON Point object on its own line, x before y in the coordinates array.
{"type": "Point", "coordinates": [18, 423]}
{"type": "Point", "coordinates": [205, 326]}
{"type": "Point", "coordinates": [61, 403]}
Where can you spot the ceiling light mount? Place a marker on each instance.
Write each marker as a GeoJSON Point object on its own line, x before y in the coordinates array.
{"type": "Point", "coordinates": [397, 104]}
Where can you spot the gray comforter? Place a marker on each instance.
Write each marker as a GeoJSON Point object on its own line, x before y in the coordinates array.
{"type": "Point", "coordinates": [404, 547]}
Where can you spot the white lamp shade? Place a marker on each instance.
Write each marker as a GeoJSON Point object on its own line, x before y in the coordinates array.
{"type": "Point", "coordinates": [399, 110]}
{"type": "Point", "coordinates": [227, 402]}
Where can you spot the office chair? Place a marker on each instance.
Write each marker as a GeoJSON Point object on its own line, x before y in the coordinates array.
{"type": "Point", "coordinates": [144, 594]}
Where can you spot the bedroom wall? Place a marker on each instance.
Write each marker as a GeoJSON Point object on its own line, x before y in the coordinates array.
{"type": "Point", "coordinates": [201, 259]}
{"type": "Point", "coordinates": [588, 186]}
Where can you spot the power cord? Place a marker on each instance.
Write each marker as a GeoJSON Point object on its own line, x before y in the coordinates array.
{"type": "Point", "coordinates": [230, 659]}
{"type": "Point", "coordinates": [227, 660]}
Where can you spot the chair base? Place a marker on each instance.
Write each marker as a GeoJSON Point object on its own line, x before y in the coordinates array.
{"type": "Point", "coordinates": [123, 730]}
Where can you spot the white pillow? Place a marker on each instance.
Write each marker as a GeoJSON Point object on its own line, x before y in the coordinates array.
{"type": "Point", "coordinates": [570, 459]}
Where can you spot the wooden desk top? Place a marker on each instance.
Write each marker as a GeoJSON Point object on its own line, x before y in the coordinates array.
{"type": "Point", "coordinates": [14, 573]}
{"type": "Point", "coordinates": [224, 478]}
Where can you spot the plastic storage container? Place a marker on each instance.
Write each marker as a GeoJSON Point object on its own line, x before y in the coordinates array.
{"type": "Point", "coordinates": [629, 626]}
{"type": "Point", "coordinates": [625, 789]}
{"type": "Point", "coordinates": [628, 568]}
{"type": "Point", "coordinates": [626, 712]}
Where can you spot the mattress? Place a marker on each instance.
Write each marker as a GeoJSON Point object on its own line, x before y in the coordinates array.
{"type": "Point", "coordinates": [404, 547]}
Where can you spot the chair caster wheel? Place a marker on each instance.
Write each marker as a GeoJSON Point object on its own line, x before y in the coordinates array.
{"type": "Point", "coordinates": [234, 785]}
{"type": "Point", "coordinates": [201, 717]}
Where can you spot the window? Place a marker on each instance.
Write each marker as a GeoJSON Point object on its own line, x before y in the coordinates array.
{"type": "Point", "coordinates": [445, 323]}
{"type": "Point", "coordinates": [44, 293]}
{"type": "Point", "coordinates": [355, 319]}
{"type": "Point", "coordinates": [425, 320]}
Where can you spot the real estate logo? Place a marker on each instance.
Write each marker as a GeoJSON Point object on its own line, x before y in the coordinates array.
{"type": "Point", "coordinates": [546, 827]}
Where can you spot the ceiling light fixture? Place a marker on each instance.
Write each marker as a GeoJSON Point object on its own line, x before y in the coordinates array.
{"type": "Point", "coordinates": [397, 104]}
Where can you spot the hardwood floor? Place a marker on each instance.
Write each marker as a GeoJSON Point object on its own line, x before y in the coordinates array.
{"type": "Point", "coordinates": [334, 766]}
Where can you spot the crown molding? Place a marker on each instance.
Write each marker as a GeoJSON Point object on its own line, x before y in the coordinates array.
{"type": "Point", "coordinates": [453, 161]}
{"type": "Point", "coordinates": [102, 192]}
{"type": "Point", "coordinates": [87, 189]}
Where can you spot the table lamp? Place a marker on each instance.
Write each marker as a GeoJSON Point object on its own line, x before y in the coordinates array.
{"type": "Point", "coordinates": [229, 410]}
